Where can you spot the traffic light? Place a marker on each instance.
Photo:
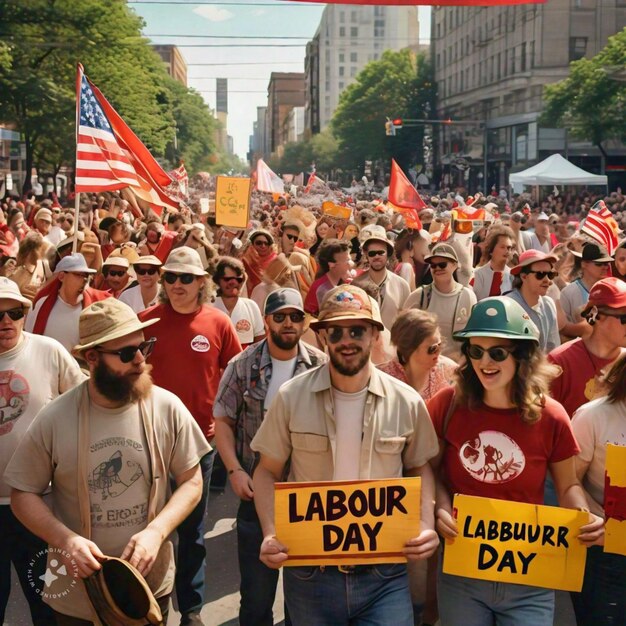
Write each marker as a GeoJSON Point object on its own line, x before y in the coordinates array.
{"type": "Point", "coordinates": [390, 129]}
{"type": "Point", "coordinates": [397, 123]}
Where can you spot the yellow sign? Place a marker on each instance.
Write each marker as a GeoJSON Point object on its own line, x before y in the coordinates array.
{"type": "Point", "coordinates": [347, 522]}
{"type": "Point", "coordinates": [518, 543]}
{"type": "Point", "coordinates": [334, 210]}
{"type": "Point", "coordinates": [232, 201]}
{"type": "Point", "coordinates": [615, 500]}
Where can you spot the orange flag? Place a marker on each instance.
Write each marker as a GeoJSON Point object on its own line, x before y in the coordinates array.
{"type": "Point", "coordinates": [404, 198]}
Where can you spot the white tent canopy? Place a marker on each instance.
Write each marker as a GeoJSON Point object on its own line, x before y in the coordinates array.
{"type": "Point", "coordinates": [555, 170]}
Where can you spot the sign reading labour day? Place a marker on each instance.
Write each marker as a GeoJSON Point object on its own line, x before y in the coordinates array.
{"type": "Point", "coordinates": [232, 201]}
{"type": "Point", "coordinates": [518, 543]}
{"type": "Point", "coordinates": [615, 499]}
{"type": "Point", "coordinates": [347, 522]}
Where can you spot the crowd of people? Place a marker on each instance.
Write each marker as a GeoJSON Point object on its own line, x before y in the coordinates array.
{"type": "Point", "coordinates": [479, 344]}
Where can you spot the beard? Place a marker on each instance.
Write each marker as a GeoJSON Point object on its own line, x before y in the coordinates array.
{"type": "Point", "coordinates": [349, 370]}
{"type": "Point", "coordinates": [127, 389]}
{"type": "Point", "coordinates": [284, 343]}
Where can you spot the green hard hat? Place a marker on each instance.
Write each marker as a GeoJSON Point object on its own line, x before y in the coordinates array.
{"type": "Point", "coordinates": [499, 317]}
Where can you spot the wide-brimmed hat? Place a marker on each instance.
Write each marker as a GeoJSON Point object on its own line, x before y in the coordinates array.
{"type": "Point", "coordinates": [532, 256]}
{"type": "Point", "coordinates": [346, 302]}
{"type": "Point", "coordinates": [149, 259]}
{"type": "Point", "coordinates": [184, 260]}
{"type": "Point", "coordinates": [73, 263]}
{"type": "Point", "coordinates": [594, 252]}
{"type": "Point", "coordinates": [10, 291]}
{"type": "Point", "coordinates": [443, 250]}
{"type": "Point", "coordinates": [374, 232]}
{"type": "Point", "coordinates": [106, 320]}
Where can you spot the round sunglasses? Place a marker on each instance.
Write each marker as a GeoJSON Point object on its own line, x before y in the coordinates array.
{"type": "Point", "coordinates": [143, 271]}
{"type": "Point", "coordinates": [335, 333]}
{"type": "Point", "coordinates": [496, 353]}
{"type": "Point", "coordinates": [186, 279]}
{"type": "Point", "coordinates": [127, 353]}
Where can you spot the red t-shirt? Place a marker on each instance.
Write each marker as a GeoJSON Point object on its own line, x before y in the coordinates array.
{"type": "Point", "coordinates": [492, 453]}
{"type": "Point", "coordinates": [577, 383]}
{"type": "Point", "coordinates": [312, 302]}
{"type": "Point", "coordinates": [190, 353]}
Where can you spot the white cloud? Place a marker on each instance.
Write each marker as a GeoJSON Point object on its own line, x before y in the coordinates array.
{"type": "Point", "coordinates": [213, 14]}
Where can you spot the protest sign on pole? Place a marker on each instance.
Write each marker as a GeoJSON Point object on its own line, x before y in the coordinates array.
{"type": "Point", "coordinates": [232, 201]}
{"type": "Point", "coordinates": [615, 499]}
{"type": "Point", "coordinates": [347, 522]}
{"type": "Point", "coordinates": [514, 542]}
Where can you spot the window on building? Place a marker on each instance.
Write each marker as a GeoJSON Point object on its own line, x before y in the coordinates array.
{"type": "Point", "coordinates": [498, 69]}
{"type": "Point", "coordinates": [342, 70]}
{"type": "Point", "coordinates": [438, 61]}
{"type": "Point", "coordinates": [341, 86]}
{"type": "Point", "coordinates": [342, 57]}
{"type": "Point", "coordinates": [342, 31]}
{"type": "Point", "coordinates": [379, 11]}
{"type": "Point", "coordinates": [342, 17]}
{"type": "Point", "coordinates": [327, 54]}
{"type": "Point", "coordinates": [512, 60]}
{"type": "Point", "coordinates": [577, 48]}
{"type": "Point", "coordinates": [532, 54]}
{"type": "Point", "coordinates": [522, 59]}
{"type": "Point", "coordinates": [354, 31]}
{"type": "Point", "coordinates": [353, 71]}
{"type": "Point", "coordinates": [327, 85]}
{"type": "Point", "coordinates": [353, 57]}
{"type": "Point", "coordinates": [353, 17]}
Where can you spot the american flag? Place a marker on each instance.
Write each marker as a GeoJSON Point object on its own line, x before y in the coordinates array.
{"type": "Point", "coordinates": [601, 225]}
{"type": "Point", "coordinates": [109, 156]}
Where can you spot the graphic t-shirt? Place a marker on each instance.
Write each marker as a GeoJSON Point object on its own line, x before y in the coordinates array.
{"type": "Point", "coordinates": [191, 351]}
{"type": "Point", "coordinates": [493, 453]}
{"type": "Point", "coordinates": [246, 318]}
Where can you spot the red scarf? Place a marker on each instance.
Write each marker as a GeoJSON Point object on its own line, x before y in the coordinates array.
{"type": "Point", "coordinates": [255, 266]}
{"type": "Point", "coordinates": [52, 291]}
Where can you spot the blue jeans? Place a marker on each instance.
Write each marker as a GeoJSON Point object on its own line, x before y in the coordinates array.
{"type": "Point", "coordinates": [191, 561]}
{"type": "Point", "coordinates": [19, 546]}
{"type": "Point", "coordinates": [471, 602]}
{"type": "Point", "coordinates": [602, 600]}
{"type": "Point", "coordinates": [258, 582]}
{"type": "Point", "coordinates": [374, 595]}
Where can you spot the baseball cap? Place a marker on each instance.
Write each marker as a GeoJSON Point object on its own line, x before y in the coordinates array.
{"type": "Point", "coordinates": [184, 260]}
{"type": "Point", "coordinates": [10, 291]}
{"type": "Point", "coordinates": [280, 299]}
{"type": "Point", "coordinates": [532, 256]}
{"type": "Point", "coordinates": [609, 292]}
{"type": "Point", "coordinates": [443, 250]}
{"type": "Point", "coordinates": [73, 263]}
{"type": "Point", "coordinates": [346, 302]}
{"type": "Point", "coordinates": [44, 214]}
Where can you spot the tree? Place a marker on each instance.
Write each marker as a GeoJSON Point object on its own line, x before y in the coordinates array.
{"type": "Point", "coordinates": [590, 101]}
{"type": "Point", "coordinates": [399, 85]}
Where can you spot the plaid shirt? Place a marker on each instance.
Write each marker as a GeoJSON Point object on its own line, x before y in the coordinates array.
{"type": "Point", "coordinates": [242, 390]}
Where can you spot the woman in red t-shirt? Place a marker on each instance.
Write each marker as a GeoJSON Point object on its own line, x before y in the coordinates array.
{"type": "Point", "coordinates": [500, 433]}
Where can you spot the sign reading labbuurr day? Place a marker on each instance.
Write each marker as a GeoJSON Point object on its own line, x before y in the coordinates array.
{"type": "Point", "coordinates": [615, 499]}
{"type": "Point", "coordinates": [347, 522]}
{"type": "Point", "coordinates": [232, 201]}
{"type": "Point", "coordinates": [518, 543]}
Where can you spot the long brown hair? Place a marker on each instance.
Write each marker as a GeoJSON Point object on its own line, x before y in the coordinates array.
{"type": "Point", "coordinates": [530, 386]}
{"type": "Point", "coordinates": [615, 381]}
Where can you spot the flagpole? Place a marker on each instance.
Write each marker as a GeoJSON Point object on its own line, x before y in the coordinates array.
{"type": "Point", "coordinates": [79, 78]}
{"type": "Point", "coordinates": [76, 214]}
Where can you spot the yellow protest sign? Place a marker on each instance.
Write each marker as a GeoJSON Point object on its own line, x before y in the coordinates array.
{"type": "Point", "coordinates": [334, 210]}
{"type": "Point", "coordinates": [518, 543]}
{"type": "Point", "coordinates": [615, 500]}
{"type": "Point", "coordinates": [347, 522]}
{"type": "Point", "coordinates": [232, 201]}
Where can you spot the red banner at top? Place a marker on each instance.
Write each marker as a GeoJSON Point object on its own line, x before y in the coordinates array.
{"type": "Point", "coordinates": [447, 3]}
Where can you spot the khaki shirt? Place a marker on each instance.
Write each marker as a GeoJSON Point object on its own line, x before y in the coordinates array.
{"type": "Point", "coordinates": [397, 436]}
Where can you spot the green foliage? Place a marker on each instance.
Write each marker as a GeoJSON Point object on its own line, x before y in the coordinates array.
{"type": "Point", "coordinates": [590, 102]}
{"type": "Point", "coordinates": [320, 149]}
{"type": "Point", "coordinates": [399, 85]}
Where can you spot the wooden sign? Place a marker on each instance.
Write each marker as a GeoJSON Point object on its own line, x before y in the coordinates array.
{"type": "Point", "coordinates": [347, 522]}
{"type": "Point", "coordinates": [519, 543]}
{"type": "Point", "coordinates": [615, 500]}
{"type": "Point", "coordinates": [232, 201]}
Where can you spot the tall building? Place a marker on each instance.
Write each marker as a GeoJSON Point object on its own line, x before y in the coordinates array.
{"type": "Point", "coordinates": [492, 64]}
{"type": "Point", "coordinates": [349, 37]}
{"type": "Point", "coordinates": [258, 143]}
{"type": "Point", "coordinates": [221, 113]}
{"type": "Point", "coordinates": [174, 61]}
{"type": "Point", "coordinates": [284, 92]}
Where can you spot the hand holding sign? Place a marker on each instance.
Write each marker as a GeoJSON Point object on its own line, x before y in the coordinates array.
{"type": "Point", "coordinates": [423, 546]}
{"type": "Point", "coordinates": [273, 553]}
{"type": "Point", "coordinates": [592, 534]}
{"type": "Point", "coordinates": [446, 524]}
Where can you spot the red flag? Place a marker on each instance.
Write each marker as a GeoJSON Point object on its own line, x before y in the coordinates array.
{"type": "Point", "coordinates": [471, 3]}
{"type": "Point", "coordinates": [601, 225]}
{"type": "Point", "coordinates": [401, 191]}
{"type": "Point", "coordinates": [313, 178]}
{"type": "Point", "coordinates": [109, 156]}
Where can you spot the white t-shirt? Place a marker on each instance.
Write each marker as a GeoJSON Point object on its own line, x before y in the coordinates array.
{"type": "Point", "coordinates": [62, 323]}
{"type": "Point", "coordinates": [574, 297]}
{"type": "Point", "coordinates": [246, 318]}
{"type": "Point", "coordinates": [349, 408]}
{"type": "Point", "coordinates": [282, 371]}
{"type": "Point", "coordinates": [55, 236]}
{"type": "Point", "coordinates": [133, 298]}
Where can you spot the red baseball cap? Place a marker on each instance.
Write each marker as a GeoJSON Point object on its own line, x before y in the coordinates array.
{"type": "Point", "coordinates": [532, 256]}
{"type": "Point", "coordinates": [609, 292]}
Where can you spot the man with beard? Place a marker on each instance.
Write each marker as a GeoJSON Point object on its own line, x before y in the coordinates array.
{"type": "Point", "coordinates": [246, 390]}
{"type": "Point", "coordinates": [107, 448]}
{"type": "Point", "coordinates": [345, 420]}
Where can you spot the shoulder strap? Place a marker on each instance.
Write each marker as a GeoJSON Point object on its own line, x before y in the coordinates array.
{"type": "Point", "coordinates": [448, 416]}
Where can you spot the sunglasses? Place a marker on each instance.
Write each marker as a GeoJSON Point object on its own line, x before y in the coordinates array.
{"type": "Point", "coordinates": [372, 253]}
{"type": "Point", "coordinates": [127, 353]}
{"type": "Point", "coordinates": [434, 348]}
{"type": "Point", "coordinates": [293, 238]}
{"type": "Point", "coordinates": [441, 265]}
{"type": "Point", "coordinates": [542, 275]}
{"type": "Point", "coordinates": [296, 317]}
{"type": "Point", "coordinates": [227, 279]}
{"type": "Point", "coordinates": [621, 318]}
{"type": "Point", "coordinates": [150, 271]}
{"type": "Point", "coordinates": [260, 243]}
{"type": "Point", "coordinates": [601, 263]}
{"type": "Point", "coordinates": [186, 279]}
{"type": "Point", "coordinates": [14, 314]}
{"type": "Point", "coordinates": [497, 353]}
{"type": "Point", "coordinates": [118, 273]}
{"type": "Point", "coordinates": [335, 333]}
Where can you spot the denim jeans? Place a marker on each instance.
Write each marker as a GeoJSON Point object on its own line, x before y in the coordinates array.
{"type": "Point", "coordinates": [191, 556]}
{"type": "Point", "coordinates": [375, 595]}
{"type": "Point", "coordinates": [19, 546]}
{"type": "Point", "coordinates": [471, 602]}
{"type": "Point", "coordinates": [602, 599]}
{"type": "Point", "coordinates": [258, 582]}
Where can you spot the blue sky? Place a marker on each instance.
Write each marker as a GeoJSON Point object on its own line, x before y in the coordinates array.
{"type": "Point", "coordinates": [271, 23]}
